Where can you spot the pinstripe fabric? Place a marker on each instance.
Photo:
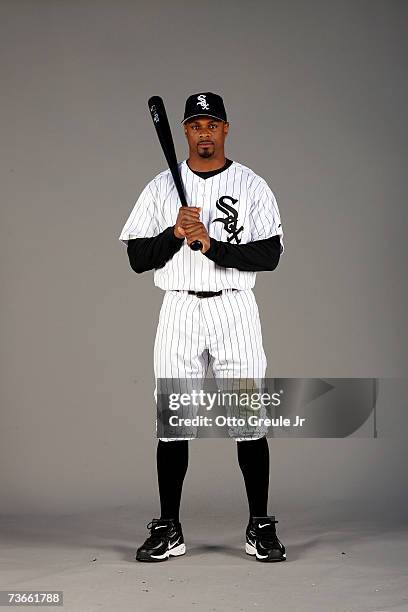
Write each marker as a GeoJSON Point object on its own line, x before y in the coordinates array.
{"type": "Point", "coordinates": [157, 208]}
{"type": "Point", "coordinates": [227, 327]}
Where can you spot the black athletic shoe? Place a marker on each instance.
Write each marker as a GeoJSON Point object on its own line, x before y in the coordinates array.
{"type": "Point", "coordinates": [262, 541]}
{"type": "Point", "coordinates": [166, 538]}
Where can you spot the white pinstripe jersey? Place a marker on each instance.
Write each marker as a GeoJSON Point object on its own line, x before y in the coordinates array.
{"type": "Point", "coordinates": [237, 206]}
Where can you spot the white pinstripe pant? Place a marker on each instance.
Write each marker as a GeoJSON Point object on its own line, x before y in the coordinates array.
{"type": "Point", "coordinates": [191, 330]}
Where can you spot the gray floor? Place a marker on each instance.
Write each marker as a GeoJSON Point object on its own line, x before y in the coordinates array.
{"type": "Point", "coordinates": [353, 567]}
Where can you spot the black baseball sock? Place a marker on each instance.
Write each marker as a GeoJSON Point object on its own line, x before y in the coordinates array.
{"type": "Point", "coordinates": [172, 463]}
{"type": "Point", "coordinates": [253, 458]}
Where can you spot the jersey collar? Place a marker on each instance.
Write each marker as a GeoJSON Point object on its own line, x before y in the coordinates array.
{"type": "Point", "coordinates": [188, 169]}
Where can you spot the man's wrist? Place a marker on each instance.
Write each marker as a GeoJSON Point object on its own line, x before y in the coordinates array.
{"type": "Point", "coordinates": [206, 246]}
{"type": "Point", "coordinates": [174, 234]}
{"type": "Point", "coordinates": [212, 248]}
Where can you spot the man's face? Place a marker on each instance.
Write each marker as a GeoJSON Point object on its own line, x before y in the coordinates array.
{"type": "Point", "coordinates": [206, 135]}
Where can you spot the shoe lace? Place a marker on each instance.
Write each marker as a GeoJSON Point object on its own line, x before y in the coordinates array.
{"type": "Point", "coordinates": [155, 534]}
{"type": "Point", "coordinates": [268, 535]}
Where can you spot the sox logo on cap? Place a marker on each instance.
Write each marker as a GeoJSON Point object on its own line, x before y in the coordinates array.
{"type": "Point", "coordinates": [202, 102]}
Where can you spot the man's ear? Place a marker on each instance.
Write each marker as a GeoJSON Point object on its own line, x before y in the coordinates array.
{"type": "Point", "coordinates": [226, 127]}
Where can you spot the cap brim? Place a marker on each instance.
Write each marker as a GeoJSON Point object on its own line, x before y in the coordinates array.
{"type": "Point", "coordinates": [202, 115]}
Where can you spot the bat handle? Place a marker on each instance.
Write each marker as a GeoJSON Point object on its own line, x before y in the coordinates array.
{"type": "Point", "coordinates": [197, 245]}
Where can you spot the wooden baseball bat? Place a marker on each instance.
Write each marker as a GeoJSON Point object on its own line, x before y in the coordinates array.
{"type": "Point", "coordinates": [162, 126]}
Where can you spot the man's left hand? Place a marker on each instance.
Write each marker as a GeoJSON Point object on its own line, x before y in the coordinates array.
{"type": "Point", "coordinates": [196, 231]}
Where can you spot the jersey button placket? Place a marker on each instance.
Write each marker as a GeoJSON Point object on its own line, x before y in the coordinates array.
{"type": "Point", "coordinates": [202, 202]}
{"type": "Point", "coordinates": [205, 219]}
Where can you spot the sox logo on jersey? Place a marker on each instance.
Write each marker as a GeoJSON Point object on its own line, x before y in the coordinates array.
{"type": "Point", "coordinates": [230, 221]}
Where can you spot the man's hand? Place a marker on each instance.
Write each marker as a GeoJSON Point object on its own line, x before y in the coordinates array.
{"type": "Point", "coordinates": [189, 226]}
{"type": "Point", "coordinates": [197, 231]}
{"type": "Point", "coordinates": [186, 214]}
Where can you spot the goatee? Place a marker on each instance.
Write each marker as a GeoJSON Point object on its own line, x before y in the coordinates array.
{"type": "Point", "coordinates": [205, 153]}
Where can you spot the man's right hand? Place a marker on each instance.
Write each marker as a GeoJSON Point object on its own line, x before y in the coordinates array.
{"type": "Point", "coordinates": [186, 215]}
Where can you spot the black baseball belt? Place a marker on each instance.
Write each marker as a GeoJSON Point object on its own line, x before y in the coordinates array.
{"type": "Point", "coordinates": [204, 294]}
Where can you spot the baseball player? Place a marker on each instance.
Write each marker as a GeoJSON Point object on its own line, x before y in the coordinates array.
{"type": "Point", "coordinates": [209, 309]}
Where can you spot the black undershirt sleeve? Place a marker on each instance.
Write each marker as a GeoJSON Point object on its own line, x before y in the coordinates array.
{"type": "Point", "coordinates": [150, 253]}
{"type": "Point", "coordinates": [251, 257]}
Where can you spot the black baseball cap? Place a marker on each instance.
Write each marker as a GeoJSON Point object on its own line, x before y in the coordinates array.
{"type": "Point", "coordinates": [206, 103]}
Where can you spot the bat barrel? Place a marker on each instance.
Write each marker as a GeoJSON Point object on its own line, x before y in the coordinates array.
{"type": "Point", "coordinates": [161, 123]}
